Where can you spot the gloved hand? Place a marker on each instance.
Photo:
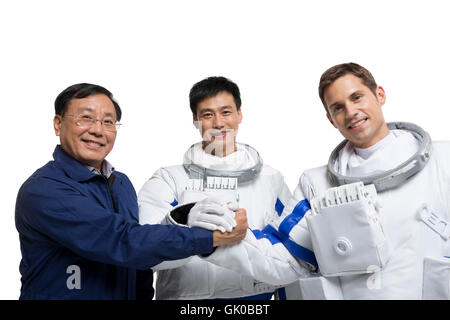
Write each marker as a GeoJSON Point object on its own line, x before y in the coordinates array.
{"type": "Point", "coordinates": [213, 214]}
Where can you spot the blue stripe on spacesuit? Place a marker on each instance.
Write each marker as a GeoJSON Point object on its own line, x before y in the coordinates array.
{"type": "Point", "coordinates": [294, 248]}
{"type": "Point", "coordinates": [258, 233]}
{"type": "Point", "coordinates": [264, 234]}
{"type": "Point", "coordinates": [279, 207]}
{"type": "Point", "coordinates": [297, 214]}
{"type": "Point", "coordinates": [174, 203]}
{"type": "Point", "coordinates": [267, 233]}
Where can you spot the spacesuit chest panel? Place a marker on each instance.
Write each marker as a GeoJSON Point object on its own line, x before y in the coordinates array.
{"type": "Point", "coordinates": [224, 189]}
{"type": "Point", "coordinates": [228, 190]}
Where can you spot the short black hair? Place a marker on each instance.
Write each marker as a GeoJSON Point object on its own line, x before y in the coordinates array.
{"type": "Point", "coordinates": [80, 91]}
{"type": "Point", "coordinates": [210, 87]}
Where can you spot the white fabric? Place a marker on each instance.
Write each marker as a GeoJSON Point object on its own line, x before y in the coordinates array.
{"type": "Point", "coordinates": [394, 149]}
{"type": "Point", "coordinates": [319, 288]}
{"type": "Point", "coordinates": [198, 278]}
{"type": "Point", "coordinates": [436, 279]}
{"type": "Point", "coordinates": [411, 240]}
{"type": "Point", "coordinates": [238, 160]}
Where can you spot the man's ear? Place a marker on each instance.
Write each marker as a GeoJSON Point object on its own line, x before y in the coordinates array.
{"type": "Point", "coordinates": [331, 120]}
{"type": "Point", "coordinates": [239, 116]}
{"type": "Point", "coordinates": [195, 120]}
{"type": "Point", "coordinates": [57, 124]}
{"type": "Point", "coordinates": [381, 95]}
{"type": "Point", "coordinates": [197, 123]}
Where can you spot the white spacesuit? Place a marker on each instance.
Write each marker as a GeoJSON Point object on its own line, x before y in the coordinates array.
{"type": "Point", "coordinates": [387, 240]}
{"type": "Point", "coordinates": [261, 190]}
{"type": "Point", "coordinates": [412, 178]}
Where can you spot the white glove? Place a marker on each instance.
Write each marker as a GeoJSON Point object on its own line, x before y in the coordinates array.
{"type": "Point", "coordinates": [213, 214]}
{"type": "Point", "coordinates": [232, 205]}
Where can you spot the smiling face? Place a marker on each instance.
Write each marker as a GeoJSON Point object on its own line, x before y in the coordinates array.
{"type": "Point", "coordinates": [219, 119]}
{"type": "Point", "coordinates": [356, 111]}
{"type": "Point", "coordinates": [89, 145]}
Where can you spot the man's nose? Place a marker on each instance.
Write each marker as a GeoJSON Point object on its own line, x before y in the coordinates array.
{"type": "Point", "coordinates": [96, 128]}
{"type": "Point", "coordinates": [350, 110]}
{"type": "Point", "coordinates": [218, 122]}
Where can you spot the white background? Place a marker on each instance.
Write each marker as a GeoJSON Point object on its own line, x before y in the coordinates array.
{"type": "Point", "coordinates": [149, 54]}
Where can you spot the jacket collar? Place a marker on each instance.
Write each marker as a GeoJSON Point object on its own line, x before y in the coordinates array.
{"type": "Point", "coordinates": [71, 167]}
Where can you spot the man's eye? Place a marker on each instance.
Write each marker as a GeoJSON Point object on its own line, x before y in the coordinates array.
{"type": "Point", "coordinates": [207, 115]}
{"type": "Point", "coordinates": [108, 122]}
{"type": "Point", "coordinates": [337, 109]}
{"type": "Point", "coordinates": [226, 113]}
{"type": "Point", "coordinates": [86, 117]}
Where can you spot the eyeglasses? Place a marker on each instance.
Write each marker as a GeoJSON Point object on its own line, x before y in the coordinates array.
{"type": "Point", "coordinates": [87, 121]}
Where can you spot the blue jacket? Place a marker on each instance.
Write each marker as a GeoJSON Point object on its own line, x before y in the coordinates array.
{"type": "Point", "coordinates": [80, 237]}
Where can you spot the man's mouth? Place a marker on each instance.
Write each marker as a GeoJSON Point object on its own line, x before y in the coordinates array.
{"type": "Point", "coordinates": [93, 144]}
{"type": "Point", "coordinates": [357, 124]}
{"type": "Point", "coordinates": [218, 134]}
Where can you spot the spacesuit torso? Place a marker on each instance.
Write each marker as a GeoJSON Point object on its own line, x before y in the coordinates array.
{"type": "Point", "coordinates": [196, 278]}
{"type": "Point", "coordinates": [412, 242]}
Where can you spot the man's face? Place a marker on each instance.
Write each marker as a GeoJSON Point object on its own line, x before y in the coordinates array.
{"type": "Point", "coordinates": [87, 144]}
{"type": "Point", "coordinates": [356, 111]}
{"type": "Point", "coordinates": [219, 119]}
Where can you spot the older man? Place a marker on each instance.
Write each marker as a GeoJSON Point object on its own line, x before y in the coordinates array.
{"type": "Point", "coordinates": [77, 216]}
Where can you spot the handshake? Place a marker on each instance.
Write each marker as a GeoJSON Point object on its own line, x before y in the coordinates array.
{"type": "Point", "coordinates": [227, 221]}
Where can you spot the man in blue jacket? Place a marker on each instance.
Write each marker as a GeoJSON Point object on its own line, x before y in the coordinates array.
{"type": "Point", "coordinates": [77, 217]}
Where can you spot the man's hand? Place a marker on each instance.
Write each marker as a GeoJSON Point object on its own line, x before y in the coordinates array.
{"type": "Point", "coordinates": [211, 214]}
{"type": "Point", "coordinates": [237, 234]}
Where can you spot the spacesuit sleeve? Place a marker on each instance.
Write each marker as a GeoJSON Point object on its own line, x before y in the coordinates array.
{"type": "Point", "coordinates": [156, 199]}
{"type": "Point", "coordinates": [270, 255]}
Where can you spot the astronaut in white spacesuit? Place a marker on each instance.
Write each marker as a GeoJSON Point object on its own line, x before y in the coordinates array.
{"type": "Point", "coordinates": [376, 216]}
{"type": "Point", "coordinates": [216, 170]}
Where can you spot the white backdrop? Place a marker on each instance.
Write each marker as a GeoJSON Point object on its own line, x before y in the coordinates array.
{"type": "Point", "coordinates": [149, 54]}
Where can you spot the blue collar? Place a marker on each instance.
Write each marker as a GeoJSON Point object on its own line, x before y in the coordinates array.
{"type": "Point", "coordinates": [71, 167]}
